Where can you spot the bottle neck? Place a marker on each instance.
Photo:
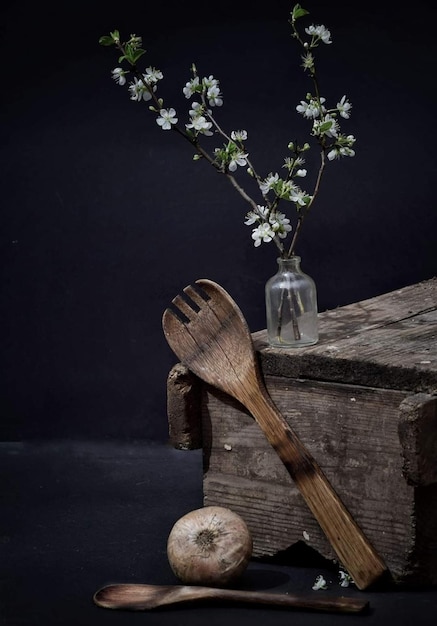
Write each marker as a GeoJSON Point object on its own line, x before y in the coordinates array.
{"type": "Point", "coordinates": [292, 264]}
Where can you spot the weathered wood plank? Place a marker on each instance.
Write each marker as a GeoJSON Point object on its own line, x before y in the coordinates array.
{"type": "Point", "coordinates": [333, 421]}
{"type": "Point", "coordinates": [184, 408]}
{"type": "Point", "coordinates": [418, 438]}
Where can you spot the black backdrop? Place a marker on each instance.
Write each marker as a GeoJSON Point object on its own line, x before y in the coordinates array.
{"type": "Point", "coordinates": [105, 217]}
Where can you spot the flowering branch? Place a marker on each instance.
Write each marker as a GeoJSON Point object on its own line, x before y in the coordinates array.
{"type": "Point", "coordinates": [268, 223]}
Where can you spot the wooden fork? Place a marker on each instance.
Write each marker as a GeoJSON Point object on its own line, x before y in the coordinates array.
{"type": "Point", "coordinates": [209, 334]}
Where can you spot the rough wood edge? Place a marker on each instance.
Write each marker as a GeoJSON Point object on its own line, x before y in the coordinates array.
{"type": "Point", "coordinates": [418, 437]}
{"type": "Point", "coordinates": [184, 408]}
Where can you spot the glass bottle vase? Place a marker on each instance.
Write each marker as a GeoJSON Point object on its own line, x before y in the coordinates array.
{"type": "Point", "coordinates": [291, 306]}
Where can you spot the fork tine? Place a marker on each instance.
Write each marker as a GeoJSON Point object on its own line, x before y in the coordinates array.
{"type": "Point", "coordinates": [184, 307]}
{"type": "Point", "coordinates": [195, 296]}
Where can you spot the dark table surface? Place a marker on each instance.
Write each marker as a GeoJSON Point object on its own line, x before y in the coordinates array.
{"type": "Point", "coordinates": [75, 516]}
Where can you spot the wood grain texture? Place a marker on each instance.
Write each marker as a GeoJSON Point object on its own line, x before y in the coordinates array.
{"type": "Point", "coordinates": [333, 420]}
{"type": "Point", "coordinates": [183, 404]}
{"type": "Point", "coordinates": [142, 597]}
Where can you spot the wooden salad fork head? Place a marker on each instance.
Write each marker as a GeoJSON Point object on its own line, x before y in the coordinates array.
{"type": "Point", "coordinates": [209, 334]}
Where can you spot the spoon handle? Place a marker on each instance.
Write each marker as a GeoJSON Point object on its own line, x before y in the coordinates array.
{"type": "Point", "coordinates": [141, 597]}
{"type": "Point", "coordinates": [298, 601]}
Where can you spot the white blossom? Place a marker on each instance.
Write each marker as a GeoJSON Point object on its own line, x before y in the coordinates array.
{"type": "Point", "coordinates": [340, 151]}
{"type": "Point", "coordinates": [152, 75]}
{"type": "Point", "coordinates": [263, 210]}
{"type": "Point", "coordinates": [198, 109]}
{"type": "Point", "coordinates": [280, 224]}
{"type": "Point", "coordinates": [200, 124]}
{"type": "Point", "coordinates": [210, 85]}
{"type": "Point", "coordinates": [251, 218]}
{"type": "Point", "coordinates": [210, 82]}
{"type": "Point", "coordinates": [119, 75]}
{"type": "Point", "coordinates": [301, 173]}
{"type": "Point", "coordinates": [345, 151]}
{"type": "Point", "coordinates": [345, 579]}
{"type": "Point", "coordinates": [239, 135]}
{"type": "Point", "coordinates": [139, 91]}
{"type": "Point", "coordinates": [311, 109]}
{"type": "Point", "coordinates": [344, 107]}
{"type": "Point", "coordinates": [333, 154]}
{"type": "Point", "coordinates": [298, 196]}
{"type": "Point", "coordinates": [256, 216]}
{"type": "Point", "coordinates": [262, 233]}
{"type": "Point", "coordinates": [320, 583]}
{"type": "Point", "coordinates": [214, 96]}
{"type": "Point", "coordinates": [166, 118]}
{"type": "Point", "coordinates": [319, 32]}
{"type": "Point", "coordinates": [271, 224]}
{"type": "Point", "coordinates": [238, 158]}
{"type": "Point", "coordinates": [191, 87]}
{"type": "Point", "coordinates": [268, 183]}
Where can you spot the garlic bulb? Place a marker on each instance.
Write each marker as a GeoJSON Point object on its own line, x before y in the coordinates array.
{"type": "Point", "coordinates": [209, 546]}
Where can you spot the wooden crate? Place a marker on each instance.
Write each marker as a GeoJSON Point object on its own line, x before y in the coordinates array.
{"type": "Point", "coordinates": [364, 402]}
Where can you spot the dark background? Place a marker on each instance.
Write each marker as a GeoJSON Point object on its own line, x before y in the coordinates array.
{"type": "Point", "coordinates": [105, 218]}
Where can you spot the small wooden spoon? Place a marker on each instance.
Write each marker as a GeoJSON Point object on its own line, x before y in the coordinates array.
{"type": "Point", "coordinates": [141, 597]}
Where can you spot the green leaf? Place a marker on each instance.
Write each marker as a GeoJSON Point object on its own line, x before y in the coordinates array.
{"type": "Point", "coordinates": [298, 12]}
{"type": "Point", "coordinates": [325, 126]}
{"type": "Point", "coordinates": [106, 40]}
{"type": "Point", "coordinates": [137, 54]}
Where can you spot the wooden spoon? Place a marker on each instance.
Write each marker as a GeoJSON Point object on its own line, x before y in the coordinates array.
{"type": "Point", "coordinates": [209, 334]}
{"type": "Point", "coordinates": [139, 597]}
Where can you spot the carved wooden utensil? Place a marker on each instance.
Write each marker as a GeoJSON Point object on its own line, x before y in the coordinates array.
{"type": "Point", "coordinates": [209, 334]}
{"type": "Point", "coordinates": [140, 597]}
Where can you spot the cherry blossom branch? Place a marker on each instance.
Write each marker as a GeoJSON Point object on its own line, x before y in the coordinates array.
{"type": "Point", "coordinates": [272, 224]}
